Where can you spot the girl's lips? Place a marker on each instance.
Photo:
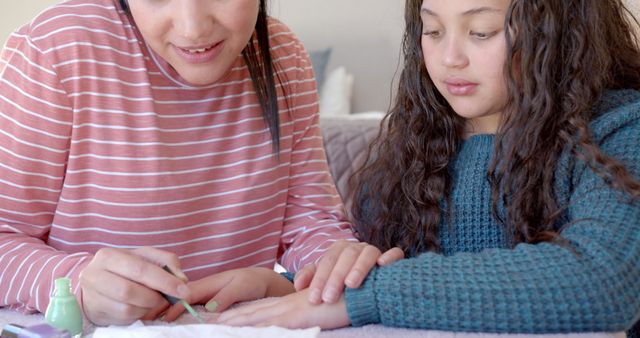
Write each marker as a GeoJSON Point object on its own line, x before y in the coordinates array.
{"type": "Point", "coordinates": [207, 55]}
{"type": "Point", "coordinates": [461, 88]}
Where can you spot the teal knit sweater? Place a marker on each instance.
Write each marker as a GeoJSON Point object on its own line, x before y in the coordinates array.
{"type": "Point", "coordinates": [481, 284]}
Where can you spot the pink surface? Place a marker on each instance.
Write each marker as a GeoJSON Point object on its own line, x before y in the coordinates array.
{"type": "Point", "coordinates": [369, 331]}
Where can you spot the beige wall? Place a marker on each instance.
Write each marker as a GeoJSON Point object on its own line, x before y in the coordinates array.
{"type": "Point", "coordinates": [634, 5]}
{"type": "Point", "coordinates": [365, 36]}
{"type": "Point", "coordinates": [16, 13]}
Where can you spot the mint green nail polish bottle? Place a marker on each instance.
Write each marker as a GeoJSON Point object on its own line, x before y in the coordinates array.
{"type": "Point", "coordinates": [63, 311]}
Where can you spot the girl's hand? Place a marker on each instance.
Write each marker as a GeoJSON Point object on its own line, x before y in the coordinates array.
{"type": "Point", "coordinates": [121, 286]}
{"type": "Point", "coordinates": [345, 263]}
{"type": "Point", "coordinates": [292, 311]}
{"type": "Point", "coordinates": [222, 290]}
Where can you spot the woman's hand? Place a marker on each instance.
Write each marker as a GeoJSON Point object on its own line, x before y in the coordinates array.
{"type": "Point", "coordinates": [292, 311]}
{"type": "Point", "coordinates": [121, 286]}
{"type": "Point", "coordinates": [224, 289]}
{"type": "Point", "coordinates": [345, 263]}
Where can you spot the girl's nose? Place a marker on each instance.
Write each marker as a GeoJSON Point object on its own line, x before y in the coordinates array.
{"type": "Point", "coordinates": [454, 55]}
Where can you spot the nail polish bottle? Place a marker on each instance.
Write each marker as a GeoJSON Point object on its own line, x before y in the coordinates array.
{"type": "Point", "coordinates": [63, 311]}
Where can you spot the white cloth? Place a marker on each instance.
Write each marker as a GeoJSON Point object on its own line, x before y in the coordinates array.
{"type": "Point", "coordinates": [139, 330]}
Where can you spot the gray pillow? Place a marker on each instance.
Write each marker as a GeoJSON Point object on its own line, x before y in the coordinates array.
{"type": "Point", "coordinates": [319, 61]}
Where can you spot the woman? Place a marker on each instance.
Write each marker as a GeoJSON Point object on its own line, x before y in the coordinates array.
{"type": "Point", "coordinates": [144, 134]}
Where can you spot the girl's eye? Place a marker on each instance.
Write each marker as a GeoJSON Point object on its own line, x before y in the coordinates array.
{"type": "Point", "coordinates": [433, 34]}
{"type": "Point", "coordinates": [482, 35]}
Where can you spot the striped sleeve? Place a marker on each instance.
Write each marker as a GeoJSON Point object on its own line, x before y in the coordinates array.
{"type": "Point", "coordinates": [314, 217]}
{"type": "Point", "coordinates": [35, 126]}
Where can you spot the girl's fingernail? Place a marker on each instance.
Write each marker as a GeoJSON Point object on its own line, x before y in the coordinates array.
{"type": "Point", "coordinates": [315, 296]}
{"type": "Point", "coordinates": [161, 318]}
{"type": "Point", "coordinates": [211, 306]}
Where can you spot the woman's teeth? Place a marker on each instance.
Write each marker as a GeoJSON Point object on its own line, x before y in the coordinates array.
{"type": "Point", "coordinates": [199, 50]}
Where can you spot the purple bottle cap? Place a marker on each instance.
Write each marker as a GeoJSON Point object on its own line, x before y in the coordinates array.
{"type": "Point", "coordinates": [35, 331]}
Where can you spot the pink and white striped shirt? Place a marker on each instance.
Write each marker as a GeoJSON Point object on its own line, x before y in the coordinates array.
{"type": "Point", "coordinates": [102, 144]}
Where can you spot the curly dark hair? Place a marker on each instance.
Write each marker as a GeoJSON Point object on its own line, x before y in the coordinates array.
{"type": "Point", "coordinates": [566, 52]}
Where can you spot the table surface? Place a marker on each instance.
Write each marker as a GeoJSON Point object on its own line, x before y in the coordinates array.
{"type": "Point", "coordinates": [369, 331]}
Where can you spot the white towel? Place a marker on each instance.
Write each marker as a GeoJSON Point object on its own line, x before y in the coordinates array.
{"type": "Point", "coordinates": [139, 330]}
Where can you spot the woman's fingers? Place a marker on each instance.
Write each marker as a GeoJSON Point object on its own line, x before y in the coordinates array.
{"type": "Point", "coordinates": [323, 270]}
{"type": "Point", "coordinates": [162, 258]}
{"type": "Point", "coordinates": [336, 279]}
{"type": "Point", "coordinates": [304, 277]}
{"type": "Point", "coordinates": [155, 312]}
{"type": "Point", "coordinates": [201, 291]}
{"type": "Point", "coordinates": [366, 261]}
{"type": "Point", "coordinates": [390, 256]}
{"type": "Point", "coordinates": [229, 295]}
{"type": "Point", "coordinates": [132, 278]}
{"type": "Point", "coordinates": [140, 270]}
{"type": "Point", "coordinates": [222, 290]}
{"type": "Point", "coordinates": [120, 289]}
{"type": "Point", "coordinates": [102, 310]}
{"type": "Point", "coordinates": [347, 264]}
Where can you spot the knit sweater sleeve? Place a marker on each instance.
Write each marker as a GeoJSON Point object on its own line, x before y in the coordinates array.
{"type": "Point", "coordinates": [590, 285]}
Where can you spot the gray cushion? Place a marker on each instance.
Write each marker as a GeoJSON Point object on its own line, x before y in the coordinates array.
{"type": "Point", "coordinates": [319, 61]}
{"type": "Point", "coordinates": [346, 142]}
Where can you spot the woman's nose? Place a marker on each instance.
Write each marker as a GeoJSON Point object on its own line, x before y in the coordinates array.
{"type": "Point", "coordinates": [191, 21]}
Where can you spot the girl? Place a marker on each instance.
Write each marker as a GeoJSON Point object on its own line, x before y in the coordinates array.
{"type": "Point", "coordinates": [148, 133]}
{"type": "Point", "coordinates": [508, 172]}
